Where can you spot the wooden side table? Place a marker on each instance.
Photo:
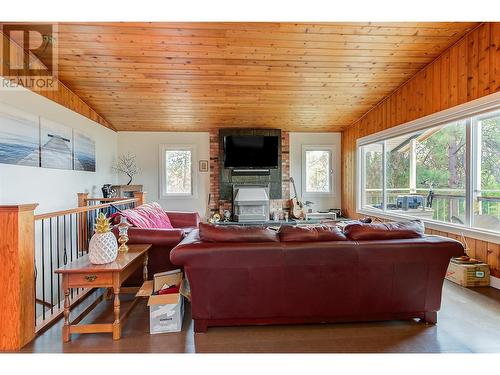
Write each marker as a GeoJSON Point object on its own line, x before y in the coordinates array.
{"type": "Point", "coordinates": [83, 274]}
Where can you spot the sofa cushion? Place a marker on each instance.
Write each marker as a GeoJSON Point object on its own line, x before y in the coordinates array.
{"type": "Point", "coordinates": [235, 233]}
{"type": "Point", "coordinates": [289, 233]}
{"type": "Point", "coordinates": [384, 231]}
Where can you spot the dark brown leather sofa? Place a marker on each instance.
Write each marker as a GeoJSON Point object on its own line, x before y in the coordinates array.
{"type": "Point", "coordinates": [368, 272]}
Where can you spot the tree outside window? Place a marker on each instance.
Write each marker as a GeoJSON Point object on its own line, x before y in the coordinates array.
{"type": "Point", "coordinates": [318, 171]}
{"type": "Point", "coordinates": [178, 172]}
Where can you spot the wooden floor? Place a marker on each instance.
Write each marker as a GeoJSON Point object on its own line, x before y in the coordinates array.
{"type": "Point", "coordinates": [469, 321]}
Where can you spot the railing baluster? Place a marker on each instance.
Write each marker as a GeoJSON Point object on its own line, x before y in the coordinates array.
{"type": "Point", "coordinates": [51, 269]}
{"type": "Point", "coordinates": [58, 265]}
{"type": "Point", "coordinates": [35, 280]}
{"type": "Point", "coordinates": [65, 253]}
{"type": "Point", "coordinates": [71, 243]}
{"type": "Point", "coordinates": [43, 269]}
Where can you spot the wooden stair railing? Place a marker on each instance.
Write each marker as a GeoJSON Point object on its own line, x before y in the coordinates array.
{"type": "Point", "coordinates": [31, 248]}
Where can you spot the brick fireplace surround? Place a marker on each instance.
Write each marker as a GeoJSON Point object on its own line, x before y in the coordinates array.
{"type": "Point", "coordinates": [218, 205]}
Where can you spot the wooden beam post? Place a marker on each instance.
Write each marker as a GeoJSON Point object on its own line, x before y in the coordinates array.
{"type": "Point", "coordinates": [140, 196]}
{"type": "Point", "coordinates": [17, 283]}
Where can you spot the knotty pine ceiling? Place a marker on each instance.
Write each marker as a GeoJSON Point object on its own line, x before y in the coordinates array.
{"type": "Point", "coordinates": [197, 76]}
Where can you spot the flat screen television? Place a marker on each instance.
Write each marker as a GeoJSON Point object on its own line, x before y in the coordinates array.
{"type": "Point", "coordinates": [251, 151]}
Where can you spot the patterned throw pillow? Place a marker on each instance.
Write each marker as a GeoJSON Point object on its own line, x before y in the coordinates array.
{"type": "Point", "coordinates": [149, 215]}
{"type": "Point", "coordinates": [157, 215]}
{"type": "Point", "coordinates": [137, 218]}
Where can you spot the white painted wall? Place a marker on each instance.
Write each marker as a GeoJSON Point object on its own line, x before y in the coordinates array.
{"type": "Point", "coordinates": [146, 145]}
{"type": "Point", "coordinates": [297, 140]}
{"type": "Point", "coordinates": [56, 189]}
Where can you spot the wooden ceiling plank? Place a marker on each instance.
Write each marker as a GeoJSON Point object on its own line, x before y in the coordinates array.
{"type": "Point", "coordinates": [194, 76]}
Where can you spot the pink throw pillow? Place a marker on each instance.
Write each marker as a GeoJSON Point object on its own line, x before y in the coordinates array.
{"type": "Point", "coordinates": [138, 219]}
{"type": "Point", "coordinates": [156, 215]}
{"type": "Point", "coordinates": [149, 215]}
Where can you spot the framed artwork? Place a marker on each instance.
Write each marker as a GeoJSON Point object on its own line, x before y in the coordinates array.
{"type": "Point", "coordinates": [203, 165]}
{"type": "Point", "coordinates": [19, 138]}
{"type": "Point", "coordinates": [83, 152]}
{"type": "Point", "coordinates": [56, 145]}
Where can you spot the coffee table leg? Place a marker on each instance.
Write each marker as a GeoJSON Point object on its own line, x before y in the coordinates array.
{"type": "Point", "coordinates": [116, 323]}
{"type": "Point", "coordinates": [66, 333]}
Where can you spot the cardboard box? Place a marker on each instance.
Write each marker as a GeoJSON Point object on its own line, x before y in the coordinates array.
{"type": "Point", "coordinates": [469, 275]}
{"type": "Point", "coordinates": [166, 311]}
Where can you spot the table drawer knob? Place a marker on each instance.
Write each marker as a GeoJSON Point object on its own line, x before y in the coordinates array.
{"type": "Point", "coordinates": [90, 278]}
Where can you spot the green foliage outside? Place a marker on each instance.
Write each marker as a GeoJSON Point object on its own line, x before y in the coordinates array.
{"type": "Point", "coordinates": [178, 172]}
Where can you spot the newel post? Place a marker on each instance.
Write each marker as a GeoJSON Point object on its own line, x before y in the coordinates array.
{"type": "Point", "coordinates": [82, 221]}
{"type": "Point", "coordinates": [82, 199]}
{"type": "Point", "coordinates": [17, 275]}
{"type": "Point", "coordinates": [140, 196]}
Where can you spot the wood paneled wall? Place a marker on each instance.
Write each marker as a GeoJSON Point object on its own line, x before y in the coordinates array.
{"type": "Point", "coordinates": [63, 95]}
{"type": "Point", "coordinates": [69, 99]}
{"type": "Point", "coordinates": [487, 252]}
{"type": "Point", "coordinates": [468, 70]}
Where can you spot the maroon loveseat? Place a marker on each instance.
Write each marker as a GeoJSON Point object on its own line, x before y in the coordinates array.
{"type": "Point", "coordinates": [305, 275]}
{"type": "Point", "coordinates": [162, 240]}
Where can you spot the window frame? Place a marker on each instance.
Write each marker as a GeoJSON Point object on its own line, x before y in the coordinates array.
{"type": "Point", "coordinates": [331, 150]}
{"type": "Point", "coordinates": [163, 194]}
{"type": "Point", "coordinates": [467, 111]}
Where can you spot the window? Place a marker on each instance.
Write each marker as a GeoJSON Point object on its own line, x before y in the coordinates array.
{"type": "Point", "coordinates": [176, 177]}
{"type": "Point", "coordinates": [486, 184]}
{"type": "Point", "coordinates": [373, 183]}
{"type": "Point", "coordinates": [317, 170]}
{"type": "Point", "coordinates": [447, 172]}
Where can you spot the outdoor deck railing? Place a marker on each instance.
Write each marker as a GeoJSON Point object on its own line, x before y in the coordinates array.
{"type": "Point", "coordinates": [447, 205]}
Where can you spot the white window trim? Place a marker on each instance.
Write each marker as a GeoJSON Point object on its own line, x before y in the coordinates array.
{"type": "Point", "coordinates": [473, 108]}
{"type": "Point", "coordinates": [331, 150]}
{"type": "Point", "coordinates": [163, 148]}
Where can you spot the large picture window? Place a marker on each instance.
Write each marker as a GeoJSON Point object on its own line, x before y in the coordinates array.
{"type": "Point", "coordinates": [447, 173]}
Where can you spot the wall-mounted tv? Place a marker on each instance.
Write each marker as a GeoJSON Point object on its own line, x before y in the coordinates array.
{"type": "Point", "coordinates": [251, 151]}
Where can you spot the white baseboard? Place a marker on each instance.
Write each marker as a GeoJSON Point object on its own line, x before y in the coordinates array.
{"type": "Point", "coordinates": [495, 282]}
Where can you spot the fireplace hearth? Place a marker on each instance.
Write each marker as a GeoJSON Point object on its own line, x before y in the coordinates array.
{"type": "Point", "coordinates": [250, 203]}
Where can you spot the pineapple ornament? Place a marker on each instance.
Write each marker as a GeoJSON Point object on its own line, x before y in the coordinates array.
{"type": "Point", "coordinates": [103, 247]}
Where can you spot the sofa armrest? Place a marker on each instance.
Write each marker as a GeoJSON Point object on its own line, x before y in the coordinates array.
{"type": "Point", "coordinates": [155, 237]}
{"type": "Point", "coordinates": [180, 219]}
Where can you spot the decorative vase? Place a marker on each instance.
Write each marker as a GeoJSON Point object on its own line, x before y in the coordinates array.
{"type": "Point", "coordinates": [107, 191]}
{"type": "Point", "coordinates": [103, 247]}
